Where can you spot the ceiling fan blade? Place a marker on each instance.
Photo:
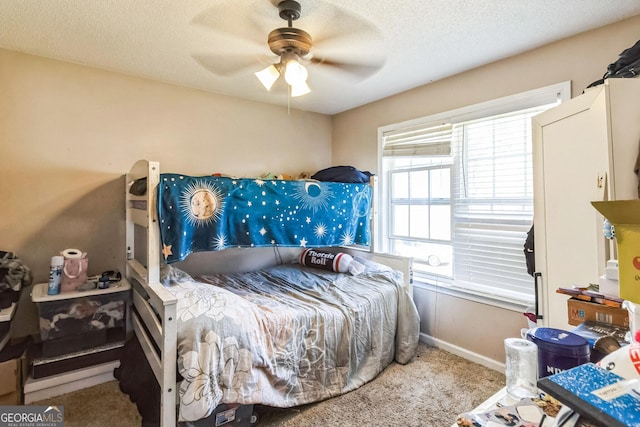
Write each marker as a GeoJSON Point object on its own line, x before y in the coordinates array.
{"type": "Point", "coordinates": [335, 28]}
{"type": "Point", "coordinates": [359, 71]}
{"type": "Point", "coordinates": [360, 36]}
{"type": "Point", "coordinates": [252, 27]}
{"type": "Point", "coordinates": [350, 44]}
{"type": "Point", "coordinates": [228, 64]}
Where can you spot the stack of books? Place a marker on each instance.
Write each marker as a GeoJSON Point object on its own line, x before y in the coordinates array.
{"type": "Point", "coordinates": [591, 294]}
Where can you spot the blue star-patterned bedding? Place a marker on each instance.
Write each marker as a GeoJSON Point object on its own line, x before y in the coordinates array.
{"type": "Point", "coordinates": [210, 213]}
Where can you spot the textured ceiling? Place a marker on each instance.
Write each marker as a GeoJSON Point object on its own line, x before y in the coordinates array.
{"type": "Point", "coordinates": [216, 45]}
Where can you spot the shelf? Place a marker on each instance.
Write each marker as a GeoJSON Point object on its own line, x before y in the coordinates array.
{"type": "Point", "coordinates": [46, 388]}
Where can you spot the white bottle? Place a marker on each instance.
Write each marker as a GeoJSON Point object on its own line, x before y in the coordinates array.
{"type": "Point", "coordinates": [55, 275]}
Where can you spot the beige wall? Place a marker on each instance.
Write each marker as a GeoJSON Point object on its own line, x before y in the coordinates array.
{"type": "Point", "coordinates": [582, 59]}
{"type": "Point", "coordinates": [68, 133]}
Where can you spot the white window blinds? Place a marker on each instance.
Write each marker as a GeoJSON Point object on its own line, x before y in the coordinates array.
{"type": "Point", "coordinates": [493, 202]}
{"type": "Point", "coordinates": [488, 148]}
{"type": "Point", "coordinates": [423, 140]}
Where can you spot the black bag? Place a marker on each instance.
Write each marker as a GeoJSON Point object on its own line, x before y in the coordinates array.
{"type": "Point", "coordinates": [529, 254]}
{"type": "Point", "coordinates": [347, 174]}
{"type": "Point", "coordinates": [627, 65]}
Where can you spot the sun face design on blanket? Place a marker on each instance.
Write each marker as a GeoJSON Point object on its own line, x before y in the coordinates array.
{"type": "Point", "coordinates": [202, 205]}
{"type": "Point", "coordinates": [214, 213]}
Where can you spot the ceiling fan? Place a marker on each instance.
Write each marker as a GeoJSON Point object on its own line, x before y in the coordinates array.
{"type": "Point", "coordinates": [291, 44]}
{"type": "Point", "coordinates": [344, 46]}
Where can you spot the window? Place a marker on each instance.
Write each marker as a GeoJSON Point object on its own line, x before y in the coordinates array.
{"type": "Point", "coordinates": [456, 194]}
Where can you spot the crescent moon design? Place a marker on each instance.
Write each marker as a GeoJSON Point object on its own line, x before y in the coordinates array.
{"type": "Point", "coordinates": [312, 189]}
{"type": "Point", "coordinates": [313, 195]}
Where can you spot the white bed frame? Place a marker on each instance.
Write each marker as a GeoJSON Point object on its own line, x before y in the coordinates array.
{"type": "Point", "coordinates": [154, 314]}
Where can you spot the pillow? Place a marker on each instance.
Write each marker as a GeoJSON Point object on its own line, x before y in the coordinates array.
{"type": "Point", "coordinates": [139, 187]}
{"type": "Point", "coordinates": [170, 275]}
{"type": "Point", "coordinates": [339, 262]}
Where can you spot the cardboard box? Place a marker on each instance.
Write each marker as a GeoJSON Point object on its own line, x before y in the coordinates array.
{"type": "Point", "coordinates": [625, 217]}
{"type": "Point", "coordinates": [581, 311]}
{"type": "Point", "coordinates": [12, 372]}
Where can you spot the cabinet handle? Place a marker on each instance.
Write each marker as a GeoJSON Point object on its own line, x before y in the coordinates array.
{"type": "Point", "coordinates": [536, 275]}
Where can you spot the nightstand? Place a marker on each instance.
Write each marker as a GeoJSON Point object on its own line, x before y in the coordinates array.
{"type": "Point", "coordinates": [82, 335]}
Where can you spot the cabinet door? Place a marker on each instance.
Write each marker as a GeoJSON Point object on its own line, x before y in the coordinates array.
{"type": "Point", "coordinates": [624, 131]}
{"type": "Point", "coordinates": [571, 165]}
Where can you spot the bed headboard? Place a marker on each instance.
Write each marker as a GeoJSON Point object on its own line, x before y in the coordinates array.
{"type": "Point", "coordinates": [141, 215]}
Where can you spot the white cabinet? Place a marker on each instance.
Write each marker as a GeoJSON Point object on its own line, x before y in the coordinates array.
{"type": "Point", "coordinates": [584, 149]}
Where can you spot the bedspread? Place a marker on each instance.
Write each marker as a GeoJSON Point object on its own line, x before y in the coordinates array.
{"type": "Point", "coordinates": [210, 213]}
{"type": "Point", "coordinates": [287, 335]}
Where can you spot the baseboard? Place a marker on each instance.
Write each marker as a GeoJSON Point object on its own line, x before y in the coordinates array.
{"type": "Point", "coordinates": [462, 352]}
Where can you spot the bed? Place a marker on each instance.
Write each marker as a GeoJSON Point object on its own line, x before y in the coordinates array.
{"type": "Point", "coordinates": [223, 302]}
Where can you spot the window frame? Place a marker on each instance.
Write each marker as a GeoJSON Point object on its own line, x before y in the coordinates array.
{"type": "Point", "coordinates": [559, 92]}
{"type": "Point", "coordinates": [426, 201]}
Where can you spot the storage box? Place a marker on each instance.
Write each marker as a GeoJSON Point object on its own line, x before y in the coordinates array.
{"type": "Point", "coordinates": [11, 384]}
{"type": "Point", "coordinates": [581, 311]}
{"type": "Point", "coordinates": [80, 320]}
{"type": "Point", "coordinates": [227, 415]}
{"type": "Point", "coordinates": [13, 373]}
{"type": "Point", "coordinates": [625, 216]}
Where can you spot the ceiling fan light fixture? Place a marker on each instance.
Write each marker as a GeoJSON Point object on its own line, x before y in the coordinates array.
{"type": "Point", "coordinates": [295, 73]}
{"type": "Point", "coordinates": [299, 89]}
{"type": "Point", "coordinates": [290, 44]}
{"type": "Point", "coordinates": [268, 76]}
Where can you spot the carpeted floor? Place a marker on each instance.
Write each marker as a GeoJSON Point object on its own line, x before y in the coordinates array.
{"type": "Point", "coordinates": [430, 391]}
{"type": "Point", "coordinates": [98, 406]}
